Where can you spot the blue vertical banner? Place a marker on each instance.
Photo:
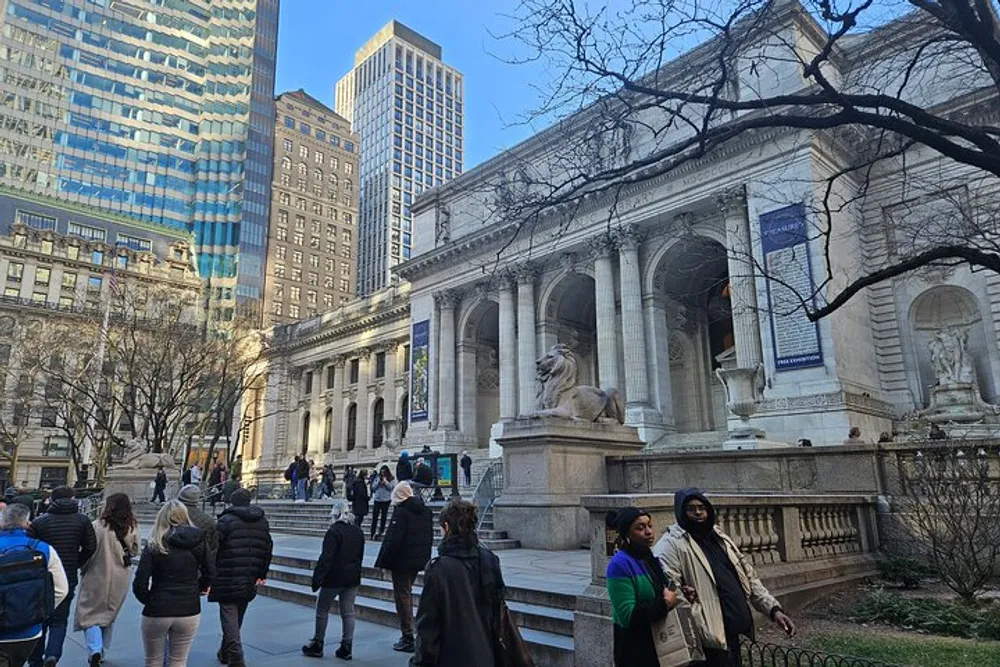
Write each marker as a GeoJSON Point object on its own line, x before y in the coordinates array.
{"type": "Point", "coordinates": [795, 340]}
{"type": "Point", "coordinates": [420, 370]}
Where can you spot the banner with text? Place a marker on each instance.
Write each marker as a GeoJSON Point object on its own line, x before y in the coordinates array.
{"type": "Point", "coordinates": [419, 370]}
{"type": "Point", "coordinates": [785, 244]}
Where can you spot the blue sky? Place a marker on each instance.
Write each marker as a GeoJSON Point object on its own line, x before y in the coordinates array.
{"type": "Point", "coordinates": [317, 40]}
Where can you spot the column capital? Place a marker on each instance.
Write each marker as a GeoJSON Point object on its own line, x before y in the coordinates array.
{"type": "Point", "coordinates": [364, 352]}
{"type": "Point", "coordinates": [448, 298]}
{"type": "Point", "coordinates": [732, 199]}
{"type": "Point", "coordinates": [338, 359]}
{"type": "Point", "coordinates": [526, 272]}
{"type": "Point", "coordinates": [484, 289]}
{"type": "Point", "coordinates": [569, 261]}
{"type": "Point", "coordinates": [628, 237]}
{"type": "Point", "coordinates": [602, 245]}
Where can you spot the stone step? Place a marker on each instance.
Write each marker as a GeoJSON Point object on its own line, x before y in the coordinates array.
{"type": "Point", "coordinates": [525, 595]}
{"type": "Point", "coordinates": [535, 617]}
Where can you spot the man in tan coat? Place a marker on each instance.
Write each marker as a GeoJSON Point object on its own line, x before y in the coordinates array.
{"type": "Point", "coordinates": [694, 552]}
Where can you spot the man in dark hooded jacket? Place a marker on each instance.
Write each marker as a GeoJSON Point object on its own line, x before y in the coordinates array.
{"type": "Point", "coordinates": [72, 536]}
{"type": "Point", "coordinates": [694, 552]}
{"type": "Point", "coordinates": [241, 565]}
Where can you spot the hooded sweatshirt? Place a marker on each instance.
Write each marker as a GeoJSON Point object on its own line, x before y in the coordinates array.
{"type": "Point", "coordinates": [735, 611]}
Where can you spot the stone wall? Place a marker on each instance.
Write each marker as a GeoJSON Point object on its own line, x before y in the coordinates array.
{"type": "Point", "coordinates": [803, 547]}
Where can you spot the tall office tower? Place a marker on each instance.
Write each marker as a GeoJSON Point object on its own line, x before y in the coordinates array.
{"type": "Point", "coordinates": [311, 261]}
{"type": "Point", "coordinates": [407, 107]}
{"type": "Point", "coordinates": [161, 110]}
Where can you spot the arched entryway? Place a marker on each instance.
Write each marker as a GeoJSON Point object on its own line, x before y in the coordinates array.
{"type": "Point", "coordinates": [304, 446]}
{"type": "Point", "coordinates": [479, 370]}
{"type": "Point", "coordinates": [691, 277]}
{"type": "Point", "coordinates": [352, 426]}
{"type": "Point", "coordinates": [569, 316]}
{"type": "Point", "coordinates": [378, 428]}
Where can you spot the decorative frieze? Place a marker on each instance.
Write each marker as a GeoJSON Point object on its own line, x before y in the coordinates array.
{"type": "Point", "coordinates": [829, 401]}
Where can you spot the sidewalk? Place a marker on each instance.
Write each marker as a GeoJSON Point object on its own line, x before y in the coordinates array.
{"type": "Point", "coordinates": [273, 634]}
{"type": "Point", "coordinates": [554, 571]}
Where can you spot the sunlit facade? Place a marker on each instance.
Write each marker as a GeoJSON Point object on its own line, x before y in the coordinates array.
{"type": "Point", "coordinates": [161, 110]}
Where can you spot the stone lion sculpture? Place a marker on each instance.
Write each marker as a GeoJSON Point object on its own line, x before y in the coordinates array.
{"type": "Point", "coordinates": [560, 395]}
{"type": "Point", "coordinates": [137, 455]}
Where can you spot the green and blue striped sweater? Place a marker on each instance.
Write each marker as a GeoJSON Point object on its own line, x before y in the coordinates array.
{"type": "Point", "coordinates": [635, 605]}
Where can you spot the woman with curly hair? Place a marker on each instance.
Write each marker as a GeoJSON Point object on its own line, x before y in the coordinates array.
{"type": "Point", "coordinates": [105, 577]}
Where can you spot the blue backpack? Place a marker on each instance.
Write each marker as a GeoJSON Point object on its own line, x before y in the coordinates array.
{"type": "Point", "coordinates": [27, 593]}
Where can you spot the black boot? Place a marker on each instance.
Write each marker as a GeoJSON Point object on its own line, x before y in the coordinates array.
{"type": "Point", "coordinates": [344, 652]}
{"type": "Point", "coordinates": [222, 656]}
{"type": "Point", "coordinates": [314, 649]}
{"type": "Point", "coordinates": [96, 660]}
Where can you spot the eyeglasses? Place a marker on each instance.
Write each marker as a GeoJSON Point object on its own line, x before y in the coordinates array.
{"type": "Point", "coordinates": [696, 509]}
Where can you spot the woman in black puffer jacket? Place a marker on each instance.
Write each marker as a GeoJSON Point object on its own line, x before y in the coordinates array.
{"type": "Point", "coordinates": [174, 570]}
{"type": "Point", "coordinates": [337, 574]}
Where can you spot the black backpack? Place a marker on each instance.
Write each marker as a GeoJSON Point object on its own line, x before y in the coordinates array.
{"type": "Point", "coordinates": [27, 593]}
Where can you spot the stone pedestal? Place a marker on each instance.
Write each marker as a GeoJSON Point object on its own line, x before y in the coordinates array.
{"type": "Point", "coordinates": [955, 402]}
{"type": "Point", "coordinates": [135, 482]}
{"type": "Point", "coordinates": [549, 463]}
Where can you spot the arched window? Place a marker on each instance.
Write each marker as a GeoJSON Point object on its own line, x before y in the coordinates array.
{"type": "Point", "coordinates": [286, 163]}
{"type": "Point", "coordinates": [333, 180]}
{"type": "Point", "coordinates": [352, 426]}
{"type": "Point", "coordinates": [318, 175]}
{"type": "Point", "coordinates": [327, 430]}
{"type": "Point", "coordinates": [405, 416]}
{"type": "Point", "coordinates": [305, 433]}
{"type": "Point", "coordinates": [302, 169]}
{"type": "Point", "coordinates": [378, 412]}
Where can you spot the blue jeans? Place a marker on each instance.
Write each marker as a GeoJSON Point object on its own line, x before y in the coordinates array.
{"type": "Point", "coordinates": [294, 486]}
{"type": "Point", "coordinates": [50, 644]}
{"type": "Point", "coordinates": [300, 490]}
{"type": "Point", "coordinates": [98, 639]}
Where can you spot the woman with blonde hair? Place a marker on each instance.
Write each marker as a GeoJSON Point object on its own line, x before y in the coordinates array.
{"type": "Point", "coordinates": [174, 571]}
{"type": "Point", "coordinates": [105, 577]}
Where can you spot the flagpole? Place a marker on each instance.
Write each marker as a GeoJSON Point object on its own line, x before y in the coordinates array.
{"type": "Point", "coordinates": [88, 438]}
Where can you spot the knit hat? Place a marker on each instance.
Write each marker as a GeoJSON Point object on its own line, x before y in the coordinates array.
{"type": "Point", "coordinates": [401, 493]}
{"type": "Point", "coordinates": [622, 519]}
{"type": "Point", "coordinates": [239, 498]}
{"type": "Point", "coordinates": [190, 495]}
{"type": "Point", "coordinates": [10, 493]}
{"type": "Point", "coordinates": [341, 512]}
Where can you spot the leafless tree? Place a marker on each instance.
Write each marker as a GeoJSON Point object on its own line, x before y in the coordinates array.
{"type": "Point", "coordinates": [22, 356]}
{"type": "Point", "coordinates": [946, 502]}
{"type": "Point", "coordinates": [640, 88]}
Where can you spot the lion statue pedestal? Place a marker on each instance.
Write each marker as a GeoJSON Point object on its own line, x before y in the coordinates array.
{"type": "Point", "coordinates": [137, 471]}
{"type": "Point", "coordinates": [555, 456]}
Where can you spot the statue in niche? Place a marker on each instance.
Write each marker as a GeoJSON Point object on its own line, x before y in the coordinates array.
{"type": "Point", "coordinates": [950, 356]}
{"type": "Point", "coordinates": [443, 231]}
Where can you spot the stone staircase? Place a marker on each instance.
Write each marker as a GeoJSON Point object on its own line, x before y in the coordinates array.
{"type": "Point", "coordinates": [312, 520]}
{"type": "Point", "coordinates": [545, 618]}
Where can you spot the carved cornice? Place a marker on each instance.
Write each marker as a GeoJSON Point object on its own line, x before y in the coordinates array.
{"type": "Point", "coordinates": [399, 312]}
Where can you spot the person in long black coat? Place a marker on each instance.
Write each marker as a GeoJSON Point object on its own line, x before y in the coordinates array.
{"type": "Point", "coordinates": [241, 565]}
{"type": "Point", "coordinates": [460, 603]}
{"type": "Point", "coordinates": [337, 575]}
{"type": "Point", "coordinates": [359, 498]}
{"type": "Point", "coordinates": [405, 550]}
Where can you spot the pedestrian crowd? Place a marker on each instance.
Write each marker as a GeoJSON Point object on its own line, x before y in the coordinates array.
{"type": "Point", "coordinates": [49, 562]}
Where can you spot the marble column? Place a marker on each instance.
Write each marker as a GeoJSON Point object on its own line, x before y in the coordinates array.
{"type": "Point", "coordinates": [468, 390]}
{"type": "Point", "coordinates": [373, 396]}
{"type": "Point", "coordinates": [508, 351]}
{"type": "Point", "coordinates": [389, 394]}
{"type": "Point", "coordinates": [607, 316]}
{"type": "Point", "coordinates": [446, 360]}
{"type": "Point", "coordinates": [526, 352]}
{"type": "Point", "coordinates": [658, 355]}
{"type": "Point", "coordinates": [742, 285]}
{"type": "Point", "coordinates": [633, 331]}
{"type": "Point", "coordinates": [339, 405]}
{"type": "Point", "coordinates": [363, 437]}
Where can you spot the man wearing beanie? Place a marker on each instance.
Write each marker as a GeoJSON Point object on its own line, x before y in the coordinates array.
{"type": "Point", "coordinates": [696, 553]}
{"type": "Point", "coordinates": [190, 496]}
{"type": "Point", "coordinates": [241, 565]}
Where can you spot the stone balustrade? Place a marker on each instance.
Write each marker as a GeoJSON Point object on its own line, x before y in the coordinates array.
{"type": "Point", "coordinates": [802, 545]}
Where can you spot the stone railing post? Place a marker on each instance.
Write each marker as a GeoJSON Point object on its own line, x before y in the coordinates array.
{"type": "Point", "coordinates": [790, 544]}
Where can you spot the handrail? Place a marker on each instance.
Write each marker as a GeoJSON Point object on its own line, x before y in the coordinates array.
{"type": "Point", "coordinates": [488, 489]}
{"type": "Point", "coordinates": [90, 506]}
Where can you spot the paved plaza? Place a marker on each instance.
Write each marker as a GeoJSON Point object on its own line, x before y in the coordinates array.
{"type": "Point", "coordinates": [273, 635]}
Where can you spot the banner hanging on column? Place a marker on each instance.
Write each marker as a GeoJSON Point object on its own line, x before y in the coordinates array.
{"type": "Point", "coordinates": [419, 367]}
{"type": "Point", "coordinates": [795, 340]}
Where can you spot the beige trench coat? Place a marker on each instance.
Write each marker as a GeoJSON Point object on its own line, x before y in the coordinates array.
{"type": "Point", "coordinates": [104, 581]}
{"type": "Point", "coordinates": [686, 564]}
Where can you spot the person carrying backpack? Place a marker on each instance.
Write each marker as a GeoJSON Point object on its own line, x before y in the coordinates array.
{"type": "Point", "coordinates": [32, 582]}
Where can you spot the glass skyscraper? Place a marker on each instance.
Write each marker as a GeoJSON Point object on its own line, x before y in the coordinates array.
{"type": "Point", "coordinates": [158, 109]}
{"type": "Point", "coordinates": [407, 106]}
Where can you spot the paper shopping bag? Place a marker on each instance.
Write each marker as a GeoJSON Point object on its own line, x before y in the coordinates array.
{"type": "Point", "coordinates": [676, 638]}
